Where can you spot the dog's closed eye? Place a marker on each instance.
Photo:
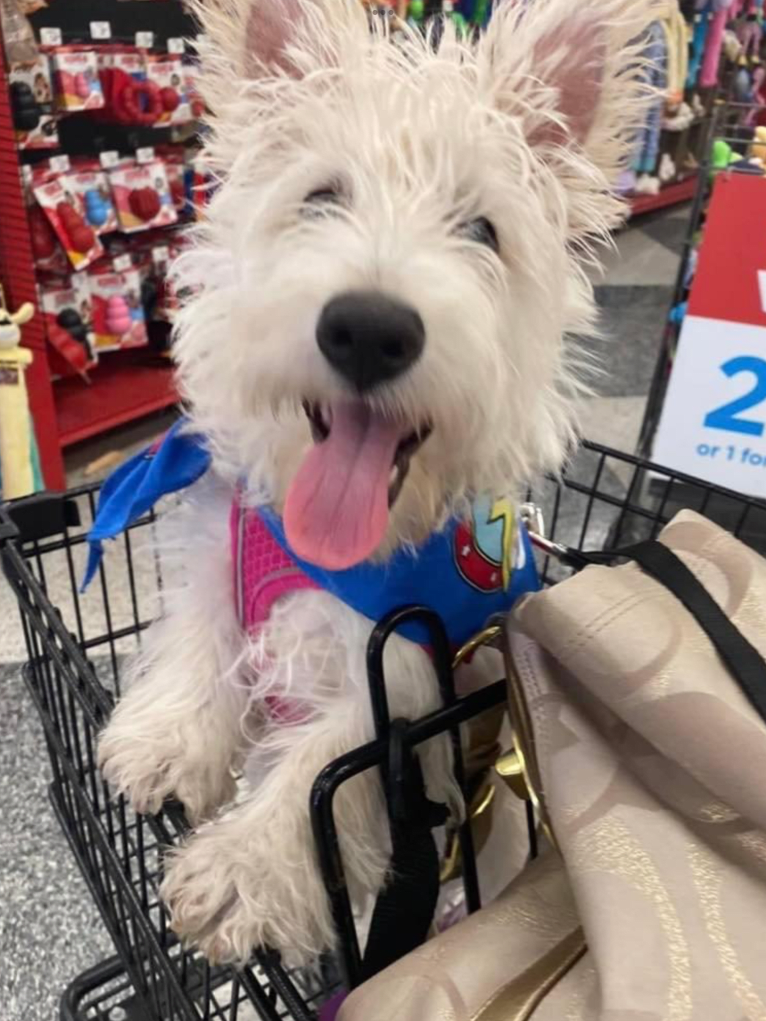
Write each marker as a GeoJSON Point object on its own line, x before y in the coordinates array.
{"type": "Point", "coordinates": [324, 200]}
{"type": "Point", "coordinates": [482, 231]}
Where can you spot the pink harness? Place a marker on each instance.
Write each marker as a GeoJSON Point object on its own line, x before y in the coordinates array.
{"type": "Point", "coordinates": [263, 573]}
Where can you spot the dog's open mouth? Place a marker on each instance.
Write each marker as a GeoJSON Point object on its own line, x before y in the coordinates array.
{"type": "Point", "coordinates": [320, 422]}
{"type": "Point", "coordinates": [337, 507]}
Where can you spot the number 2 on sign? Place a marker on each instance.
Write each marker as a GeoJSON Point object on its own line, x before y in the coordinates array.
{"type": "Point", "coordinates": [725, 417]}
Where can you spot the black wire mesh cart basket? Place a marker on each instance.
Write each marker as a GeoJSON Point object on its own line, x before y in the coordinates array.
{"type": "Point", "coordinates": [76, 647]}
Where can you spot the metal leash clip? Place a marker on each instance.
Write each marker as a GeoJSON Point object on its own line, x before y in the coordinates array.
{"type": "Point", "coordinates": [532, 516]}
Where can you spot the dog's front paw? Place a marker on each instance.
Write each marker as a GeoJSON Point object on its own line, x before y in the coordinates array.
{"type": "Point", "coordinates": [149, 767]}
{"type": "Point", "coordinates": [231, 889]}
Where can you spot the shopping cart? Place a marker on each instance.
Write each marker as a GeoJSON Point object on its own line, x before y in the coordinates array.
{"type": "Point", "coordinates": [76, 646]}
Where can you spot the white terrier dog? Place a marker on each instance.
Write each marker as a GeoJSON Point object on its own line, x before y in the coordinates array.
{"type": "Point", "coordinates": [382, 288]}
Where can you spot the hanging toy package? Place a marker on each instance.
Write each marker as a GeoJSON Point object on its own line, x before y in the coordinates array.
{"type": "Point", "coordinates": [68, 319]}
{"type": "Point", "coordinates": [118, 314]}
{"type": "Point", "coordinates": [142, 196]}
{"type": "Point", "coordinates": [92, 188]}
{"type": "Point", "coordinates": [76, 81]}
{"type": "Point", "coordinates": [18, 36]}
{"type": "Point", "coordinates": [32, 105]}
{"type": "Point", "coordinates": [67, 215]}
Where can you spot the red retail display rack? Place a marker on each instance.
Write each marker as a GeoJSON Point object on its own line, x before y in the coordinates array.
{"type": "Point", "coordinates": [18, 276]}
{"type": "Point", "coordinates": [126, 385]}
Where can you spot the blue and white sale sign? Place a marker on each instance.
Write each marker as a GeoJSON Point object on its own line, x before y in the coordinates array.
{"type": "Point", "coordinates": [713, 422]}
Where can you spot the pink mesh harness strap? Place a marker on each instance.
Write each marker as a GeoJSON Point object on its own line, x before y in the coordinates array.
{"type": "Point", "coordinates": [263, 572]}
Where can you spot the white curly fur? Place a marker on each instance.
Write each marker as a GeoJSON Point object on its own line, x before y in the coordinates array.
{"type": "Point", "coordinates": [527, 127]}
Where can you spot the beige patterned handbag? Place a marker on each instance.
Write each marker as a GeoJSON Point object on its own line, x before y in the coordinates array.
{"type": "Point", "coordinates": [647, 760]}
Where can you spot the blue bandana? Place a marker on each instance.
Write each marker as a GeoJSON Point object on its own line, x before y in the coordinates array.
{"type": "Point", "coordinates": [175, 462]}
{"type": "Point", "coordinates": [467, 572]}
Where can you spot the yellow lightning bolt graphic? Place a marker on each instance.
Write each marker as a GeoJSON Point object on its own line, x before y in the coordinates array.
{"type": "Point", "coordinates": [503, 511]}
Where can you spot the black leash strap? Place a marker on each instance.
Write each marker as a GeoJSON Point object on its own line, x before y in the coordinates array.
{"type": "Point", "coordinates": [405, 906]}
{"type": "Point", "coordinates": [742, 659]}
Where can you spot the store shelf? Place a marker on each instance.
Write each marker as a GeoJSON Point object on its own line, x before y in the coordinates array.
{"type": "Point", "coordinates": [125, 386]}
{"type": "Point", "coordinates": [682, 191]}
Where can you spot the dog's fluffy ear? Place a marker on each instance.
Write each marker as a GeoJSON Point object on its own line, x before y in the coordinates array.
{"type": "Point", "coordinates": [269, 30]}
{"type": "Point", "coordinates": [260, 38]}
{"type": "Point", "coordinates": [573, 73]}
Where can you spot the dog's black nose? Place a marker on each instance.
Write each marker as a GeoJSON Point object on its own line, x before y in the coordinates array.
{"type": "Point", "coordinates": [369, 338]}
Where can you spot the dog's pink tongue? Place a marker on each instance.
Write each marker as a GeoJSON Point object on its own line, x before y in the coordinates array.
{"type": "Point", "coordinates": [336, 512]}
